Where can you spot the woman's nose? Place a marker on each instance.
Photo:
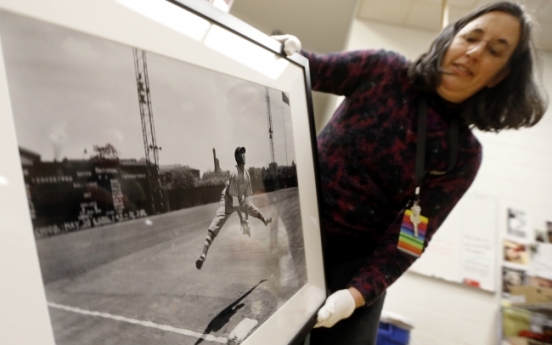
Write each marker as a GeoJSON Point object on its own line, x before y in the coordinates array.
{"type": "Point", "coordinates": [475, 50]}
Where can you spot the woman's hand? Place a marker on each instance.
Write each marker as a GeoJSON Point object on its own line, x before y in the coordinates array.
{"type": "Point", "coordinates": [291, 43]}
{"type": "Point", "coordinates": [340, 305]}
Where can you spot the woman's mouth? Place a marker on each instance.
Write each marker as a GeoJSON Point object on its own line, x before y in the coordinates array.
{"type": "Point", "coordinates": [462, 69]}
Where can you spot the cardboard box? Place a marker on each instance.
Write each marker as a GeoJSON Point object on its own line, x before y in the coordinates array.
{"type": "Point", "coordinates": [533, 294]}
{"type": "Point", "coordinates": [521, 341]}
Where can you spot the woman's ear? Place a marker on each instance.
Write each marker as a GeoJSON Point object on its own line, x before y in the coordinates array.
{"type": "Point", "coordinates": [498, 78]}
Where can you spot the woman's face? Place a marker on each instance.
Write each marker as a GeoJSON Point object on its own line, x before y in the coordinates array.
{"type": "Point", "coordinates": [477, 55]}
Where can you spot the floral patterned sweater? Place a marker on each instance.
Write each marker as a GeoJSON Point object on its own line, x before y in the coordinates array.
{"type": "Point", "coordinates": [367, 158]}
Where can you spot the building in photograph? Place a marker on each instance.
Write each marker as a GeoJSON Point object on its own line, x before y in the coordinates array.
{"type": "Point", "coordinates": [71, 195]}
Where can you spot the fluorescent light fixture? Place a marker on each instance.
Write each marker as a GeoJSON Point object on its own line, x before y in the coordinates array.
{"type": "Point", "coordinates": [245, 52]}
{"type": "Point", "coordinates": [3, 181]}
{"type": "Point", "coordinates": [222, 5]}
{"type": "Point", "coordinates": [171, 16]}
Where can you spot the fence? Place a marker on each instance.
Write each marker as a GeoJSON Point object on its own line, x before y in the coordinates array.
{"type": "Point", "coordinates": [195, 196]}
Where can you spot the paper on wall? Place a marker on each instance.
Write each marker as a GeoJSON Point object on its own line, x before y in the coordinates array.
{"type": "Point", "coordinates": [541, 262]}
{"type": "Point", "coordinates": [518, 225]}
{"type": "Point", "coordinates": [478, 249]}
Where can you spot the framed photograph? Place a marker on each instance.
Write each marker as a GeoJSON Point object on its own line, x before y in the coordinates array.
{"type": "Point", "coordinates": [158, 181]}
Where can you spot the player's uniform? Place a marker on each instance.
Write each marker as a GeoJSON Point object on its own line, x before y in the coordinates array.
{"type": "Point", "coordinates": [239, 186]}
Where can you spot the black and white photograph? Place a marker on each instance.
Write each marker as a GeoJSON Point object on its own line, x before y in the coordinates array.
{"type": "Point", "coordinates": [512, 277]}
{"type": "Point", "coordinates": [517, 223]}
{"type": "Point", "coordinates": [163, 196]}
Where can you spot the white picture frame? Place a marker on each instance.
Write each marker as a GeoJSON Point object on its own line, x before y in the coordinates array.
{"type": "Point", "coordinates": [176, 33]}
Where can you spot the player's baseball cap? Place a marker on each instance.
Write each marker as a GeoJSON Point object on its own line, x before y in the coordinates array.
{"type": "Point", "coordinates": [239, 150]}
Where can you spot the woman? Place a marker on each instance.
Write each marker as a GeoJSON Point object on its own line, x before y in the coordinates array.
{"type": "Point", "coordinates": [478, 73]}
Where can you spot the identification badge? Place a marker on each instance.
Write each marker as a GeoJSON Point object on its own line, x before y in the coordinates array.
{"type": "Point", "coordinates": [413, 231]}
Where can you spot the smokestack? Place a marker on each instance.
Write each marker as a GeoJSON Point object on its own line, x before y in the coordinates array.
{"type": "Point", "coordinates": [216, 161]}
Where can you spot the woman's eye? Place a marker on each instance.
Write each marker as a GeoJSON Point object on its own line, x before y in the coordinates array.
{"type": "Point", "coordinates": [494, 52]}
{"type": "Point", "coordinates": [470, 39]}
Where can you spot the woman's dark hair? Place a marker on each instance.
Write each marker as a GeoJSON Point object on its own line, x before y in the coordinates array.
{"type": "Point", "coordinates": [515, 102]}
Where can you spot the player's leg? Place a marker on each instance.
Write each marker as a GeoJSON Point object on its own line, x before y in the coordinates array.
{"type": "Point", "coordinates": [216, 224]}
{"type": "Point", "coordinates": [253, 211]}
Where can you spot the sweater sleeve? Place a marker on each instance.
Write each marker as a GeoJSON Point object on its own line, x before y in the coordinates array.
{"type": "Point", "coordinates": [438, 196]}
{"type": "Point", "coordinates": [341, 73]}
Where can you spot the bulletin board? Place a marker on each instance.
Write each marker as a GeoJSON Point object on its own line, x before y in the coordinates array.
{"type": "Point", "coordinates": [464, 248]}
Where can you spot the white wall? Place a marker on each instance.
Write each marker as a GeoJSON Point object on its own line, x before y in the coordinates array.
{"type": "Point", "coordinates": [516, 170]}
{"type": "Point", "coordinates": [305, 21]}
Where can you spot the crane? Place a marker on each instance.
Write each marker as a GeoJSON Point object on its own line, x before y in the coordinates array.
{"type": "Point", "coordinates": [151, 149]}
{"type": "Point", "coordinates": [273, 166]}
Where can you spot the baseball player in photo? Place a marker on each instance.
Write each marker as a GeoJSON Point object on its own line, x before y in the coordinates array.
{"type": "Point", "coordinates": [238, 186]}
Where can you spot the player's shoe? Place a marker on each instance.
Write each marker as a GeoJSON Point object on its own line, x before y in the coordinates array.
{"type": "Point", "coordinates": [267, 221]}
{"type": "Point", "coordinates": [200, 261]}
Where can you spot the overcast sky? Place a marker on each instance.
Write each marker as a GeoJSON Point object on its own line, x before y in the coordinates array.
{"type": "Point", "coordinates": [71, 91]}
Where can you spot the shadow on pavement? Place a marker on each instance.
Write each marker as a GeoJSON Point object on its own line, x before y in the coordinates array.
{"type": "Point", "coordinates": [224, 316]}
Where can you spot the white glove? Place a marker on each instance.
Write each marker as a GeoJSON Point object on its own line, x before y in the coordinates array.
{"type": "Point", "coordinates": [291, 43]}
{"type": "Point", "coordinates": [246, 229]}
{"type": "Point", "coordinates": [340, 305]}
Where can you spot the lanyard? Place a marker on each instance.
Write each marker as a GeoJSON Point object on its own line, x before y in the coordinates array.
{"type": "Point", "coordinates": [421, 145]}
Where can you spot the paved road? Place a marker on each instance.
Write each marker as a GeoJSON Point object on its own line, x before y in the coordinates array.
{"type": "Point", "coordinates": [136, 282]}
